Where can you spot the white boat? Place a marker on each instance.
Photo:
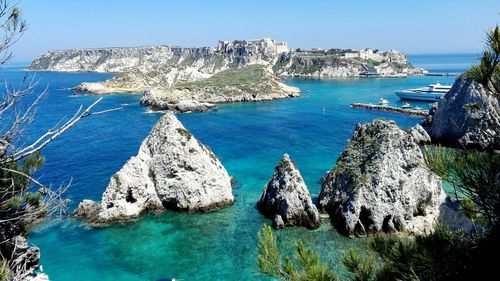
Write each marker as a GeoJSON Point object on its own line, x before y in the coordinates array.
{"type": "Point", "coordinates": [406, 106]}
{"type": "Point", "coordinates": [418, 108]}
{"type": "Point", "coordinates": [432, 92]}
{"type": "Point", "coordinates": [383, 101]}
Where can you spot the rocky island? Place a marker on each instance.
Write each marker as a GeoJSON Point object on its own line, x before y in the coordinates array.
{"type": "Point", "coordinates": [286, 199]}
{"type": "Point", "coordinates": [250, 83]}
{"type": "Point", "coordinates": [192, 79]}
{"type": "Point", "coordinates": [172, 170]}
{"type": "Point", "coordinates": [381, 183]}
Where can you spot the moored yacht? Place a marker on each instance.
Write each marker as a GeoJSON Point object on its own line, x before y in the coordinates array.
{"type": "Point", "coordinates": [383, 101]}
{"type": "Point", "coordinates": [432, 92]}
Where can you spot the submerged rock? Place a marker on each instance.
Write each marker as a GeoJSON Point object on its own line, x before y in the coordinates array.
{"type": "Point", "coordinates": [172, 170]}
{"type": "Point", "coordinates": [286, 199]}
{"type": "Point", "coordinates": [468, 115]}
{"type": "Point", "coordinates": [381, 183]}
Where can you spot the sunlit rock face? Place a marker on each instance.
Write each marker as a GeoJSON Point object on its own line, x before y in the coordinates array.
{"type": "Point", "coordinates": [172, 170]}
{"type": "Point", "coordinates": [286, 199]}
{"type": "Point", "coordinates": [381, 183]}
{"type": "Point", "coordinates": [468, 115]}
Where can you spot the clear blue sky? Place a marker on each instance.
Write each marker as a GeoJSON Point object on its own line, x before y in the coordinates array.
{"type": "Point", "coordinates": [423, 26]}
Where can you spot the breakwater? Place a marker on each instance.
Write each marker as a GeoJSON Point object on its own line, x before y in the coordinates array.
{"type": "Point", "coordinates": [419, 112]}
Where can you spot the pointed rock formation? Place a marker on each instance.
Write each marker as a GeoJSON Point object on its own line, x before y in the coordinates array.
{"type": "Point", "coordinates": [468, 115]}
{"type": "Point", "coordinates": [172, 170]}
{"type": "Point", "coordinates": [286, 199]}
{"type": "Point", "coordinates": [381, 183]}
{"type": "Point", "coordinates": [419, 135]}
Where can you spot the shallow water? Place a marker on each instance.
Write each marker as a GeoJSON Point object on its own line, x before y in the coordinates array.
{"type": "Point", "coordinates": [249, 138]}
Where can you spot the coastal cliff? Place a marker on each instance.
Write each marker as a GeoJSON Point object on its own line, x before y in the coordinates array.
{"type": "Point", "coordinates": [190, 64]}
{"type": "Point", "coordinates": [344, 63]}
{"type": "Point", "coordinates": [177, 63]}
{"type": "Point", "coordinates": [172, 170]}
{"type": "Point", "coordinates": [194, 79]}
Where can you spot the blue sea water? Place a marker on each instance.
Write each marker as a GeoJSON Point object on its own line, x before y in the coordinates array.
{"type": "Point", "coordinates": [249, 138]}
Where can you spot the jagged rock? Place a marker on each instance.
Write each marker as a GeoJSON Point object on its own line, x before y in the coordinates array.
{"type": "Point", "coordinates": [278, 222]}
{"type": "Point", "coordinates": [37, 277]}
{"type": "Point", "coordinates": [286, 199]}
{"type": "Point", "coordinates": [22, 257]}
{"type": "Point", "coordinates": [172, 170]}
{"type": "Point", "coordinates": [468, 115]}
{"type": "Point", "coordinates": [381, 183]}
{"type": "Point", "coordinates": [87, 209]}
{"type": "Point", "coordinates": [169, 100]}
{"type": "Point", "coordinates": [419, 135]}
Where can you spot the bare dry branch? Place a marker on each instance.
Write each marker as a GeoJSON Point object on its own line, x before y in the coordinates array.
{"type": "Point", "coordinates": [49, 136]}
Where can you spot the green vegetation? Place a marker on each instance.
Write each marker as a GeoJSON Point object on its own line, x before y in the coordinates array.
{"type": "Point", "coordinates": [487, 72]}
{"type": "Point", "coordinates": [474, 176]}
{"type": "Point", "coordinates": [442, 255]}
{"type": "Point", "coordinates": [304, 266]}
{"type": "Point", "coordinates": [251, 79]}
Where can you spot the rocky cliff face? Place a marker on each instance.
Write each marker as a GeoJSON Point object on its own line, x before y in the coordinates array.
{"type": "Point", "coordinates": [191, 64]}
{"type": "Point", "coordinates": [468, 115]}
{"type": "Point", "coordinates": [166, 71]}
{"type": "Point", "coordinates": [172, 170]}
{"type": "Point", "coordinates": [286, 199]}
{"type": "Point", "coordinates": [19, 258]}
{"type": "Point", "coordinates": [341, 64]}
{"type": "Point", "coordinates": [179, 62]}
{"type": "Point", "coordinates": [381, 183]}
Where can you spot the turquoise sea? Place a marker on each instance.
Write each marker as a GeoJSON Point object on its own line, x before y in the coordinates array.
{"type": "Point", "coordinates": [249, 138]}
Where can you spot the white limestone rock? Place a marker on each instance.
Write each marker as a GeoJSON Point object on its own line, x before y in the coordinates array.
{"type": "Point", "coordinates": [173, 100]}
{"type": "Point", "coordinates": [468, 115]}
{"type": "Point", "coordinates": [37, 277]}
{"type": "Point", "coordinates": [381, 183]}
{"type": "Point", "coordinates": [419, 135]}
{"type": "Point", "coordinates": [172, 64]}
{"type": "Point", "coordinates": [172, 170]}
{"type": "Point", "coordinates": [286, 199]}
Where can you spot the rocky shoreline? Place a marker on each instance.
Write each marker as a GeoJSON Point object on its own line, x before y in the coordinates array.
{"type": "Point", "coordinates": [251, 83]}
{"type": "Point", "coordinates": [380, 182]}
